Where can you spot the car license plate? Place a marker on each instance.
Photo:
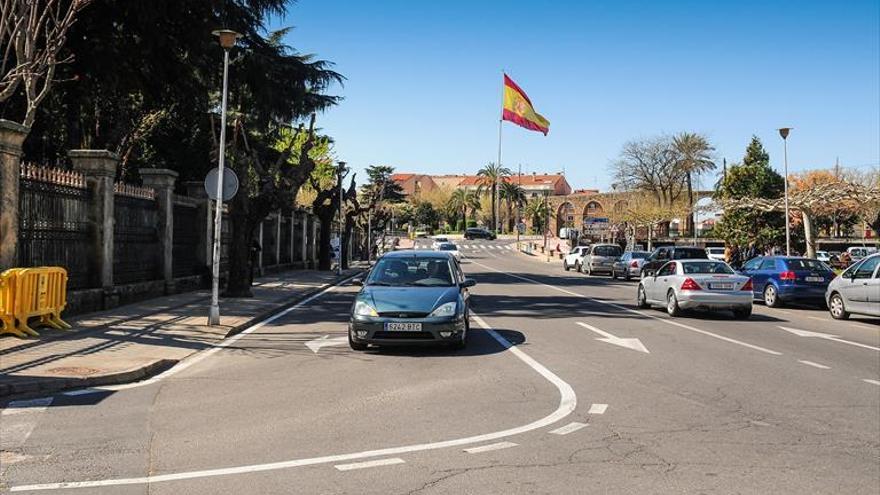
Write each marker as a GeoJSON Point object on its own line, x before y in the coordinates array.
{"type": "Point", "coordinates": [395, 326]}
{"type": "Point", "coordinates": [717, 286]}
{"type": "Point", "coordinates": [815, 279]}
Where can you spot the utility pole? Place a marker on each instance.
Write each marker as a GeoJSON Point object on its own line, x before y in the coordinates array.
{"type": "Point", "coordinates": [783, 132]}
{"type": "Point", "coordinates": [341, 174]}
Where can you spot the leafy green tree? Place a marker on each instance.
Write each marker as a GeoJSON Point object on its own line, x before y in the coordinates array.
{"type": "Point", "coordinates": [694, 158]}
{"type": "Point", "coordinates": [491, 175]}
{"type": "Point", "coordinates": [514, 196]}
{"type": "Point", "coordinates": [752, 178]}
{"type": "Point", "coordinates": [462, 201]}
{"type": "Point", "coordinates": [537, 212]}
{"type": "Point", "coordinates": [425, 214]}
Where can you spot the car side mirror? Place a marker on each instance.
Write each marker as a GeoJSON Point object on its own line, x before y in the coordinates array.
{"type": "Point", "coordinates": [468, 282]}
{"type": "Point", "coordinates": [357, 281]}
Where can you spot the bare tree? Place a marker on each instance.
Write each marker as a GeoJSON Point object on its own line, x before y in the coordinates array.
{"type": "Point", "coordinates": [32, 34]}
{"type": "Point", "coordinates": [651, 165]}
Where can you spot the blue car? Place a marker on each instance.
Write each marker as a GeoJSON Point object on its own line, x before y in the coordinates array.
{"type": "Point", "coordinates": [777, 280]}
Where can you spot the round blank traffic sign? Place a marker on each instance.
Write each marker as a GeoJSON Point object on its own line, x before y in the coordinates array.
{"type": "Point", "coordinates": [230, 184]}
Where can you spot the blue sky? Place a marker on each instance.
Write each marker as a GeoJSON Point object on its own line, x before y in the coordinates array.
{"type": "Point", "coordinates": [423, 85]}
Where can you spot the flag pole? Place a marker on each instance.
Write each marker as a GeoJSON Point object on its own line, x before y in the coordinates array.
{"type": "Point", "coordinates": [500, 126]}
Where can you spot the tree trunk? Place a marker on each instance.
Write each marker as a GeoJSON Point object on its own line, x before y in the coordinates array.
{"type": "Point", "coordinates": [494, 219]}
{"type": "Point", "coordinates": [690, 223]}
{"type": "Point", "coordinates": [240, 262]}
{"type": "Point", "coordinates": [346, 236]}
{"type": "Point", "coordinates": [810, 239]}
{"type": "Point", "coordinates": [324, 249]}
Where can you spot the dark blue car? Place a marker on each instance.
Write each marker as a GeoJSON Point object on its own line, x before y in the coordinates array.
{"type": "Point", "coordinates": [777, 280]}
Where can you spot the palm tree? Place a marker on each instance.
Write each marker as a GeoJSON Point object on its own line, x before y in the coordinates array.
{"type": "Point", "coordinates": [462, 201]}
{"type": "Point", "coordinates": [694, 158]}
{"type": "Point", "coordinates": [537, 210]}
{"type": "Point", "coordinates": [491, 174]}
{"type": "Point", "coordinates": [512, 194]}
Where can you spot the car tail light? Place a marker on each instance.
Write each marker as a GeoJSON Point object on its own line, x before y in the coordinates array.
{"type": "Point", "coordinates": [787, 275]}
{"type": "Point", "coordinates": [747, 286]}
{"type": "Point", "coordinates": [634, 264]}
{"type": "Point", "coordinates": [690, 284]}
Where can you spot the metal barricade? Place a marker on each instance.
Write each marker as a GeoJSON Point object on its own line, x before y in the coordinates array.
{"type": "Point", "coordinates": [27, 293]}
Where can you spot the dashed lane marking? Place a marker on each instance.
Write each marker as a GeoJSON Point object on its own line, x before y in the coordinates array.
{"type": "Point", "coordinates": [569, 428]}
{"type": "Point", "coordinates": [814, 365]}
{"type": "Point", "coordinates": [369, 464]}
{"type": "Point", "coordinates": [872, 382]}
{"type": "Point", "coordinates": [490, 447]}
{"type": "Point", "coordinates": [598, 409]}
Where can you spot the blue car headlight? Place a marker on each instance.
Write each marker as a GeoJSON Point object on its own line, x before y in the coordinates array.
{"type": "Point", "coordinates": [447, 309]}
{"type": "Point", "coordinates": [363, 309]}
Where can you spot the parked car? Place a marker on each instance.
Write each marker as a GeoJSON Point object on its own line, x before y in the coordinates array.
{"type": "Point", "coordinates": [715, 253]}
{"type": "Point", "coordinates": [823, 256]}
{"type": "Point", "coordinates": [662, 255]}
{"type": "Point", "coordinates": [573, 258]}
{"type": "Point", "coordinates": [696, 284]}
{"type": "Point", "coordinates": [478, 233]}
{"type": "Point", "coordinates": [858, 252]}
{"type": "Point", "coordinates": [438, 240]}
{"type": "Point", "coordinates": [779, 279]}
{"type": "Point", "coordinates": [629, 264]}
{"type": "Point", "coordinates": [449, 248]}
{"type": "Point", "coordinates": [411, 297]}
{"type": "Point", "coordinates": [599, 258]}
{"type": "Point", "coordinates": [856, 290]}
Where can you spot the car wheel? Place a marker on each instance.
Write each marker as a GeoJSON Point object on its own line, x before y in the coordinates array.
{"type": "Point", "coordinates": [672, 304]}
{"type": "Point", "coordinates": [589, 269]}
{"type": "Point", "coordinates": [613, 274]}
{"type": "Point", "coordinates": [641, 298]}
{"type": "Point", "coordinates": [627, 276]}
{"type": "Point", "coordinates": [356, 346]}
{"type": "Point", "coordinates": [565, 266]}
{"type": "Point", "coordinates": [771, 298]}
{"type": "Point", "coordinates": [742, 313]}
{"type": "Point", "coordinates": [577, 266]}
{"type": "Point", "coordinates": [837, 308]}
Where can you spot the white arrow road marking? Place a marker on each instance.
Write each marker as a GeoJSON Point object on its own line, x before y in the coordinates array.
{"type": "Point", "coordinates": [369, 464]}
{"type": "Point", "coordinates": [826, 336]}
{"type": "Point", "coordinates": [325, 341]}
{"type": "Point", "coordinates": [569, 428]}
{"type": "Point", "coordinates": [814, 365]}
{"type": "Point", "coordinates": [567, 405]}
{"type": "Point", "coordinates": [598, 409]}
{"type": "Point", "coordinates": [634, 344]}
{"type": "Point", "coordinates": [490, 447]}
{"type": "Point", "coordinates": [873, 382]}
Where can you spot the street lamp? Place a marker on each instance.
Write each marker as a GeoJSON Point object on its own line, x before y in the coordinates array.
{"type": "Point", "coordinates": [227, 40]}
{"type": "Point", "coordinates": [783, 132]}
{"type": "Point", "coordinates": [341, 173]}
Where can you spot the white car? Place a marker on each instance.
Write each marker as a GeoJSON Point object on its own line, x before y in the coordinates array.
{"type": "Point", "coordinates": [823, 256]}
{"type": "Point", "coordinates": [573, 258]}
{"type": "Point", "coordinates": [856, 291]}
{"type": "Point", "coordinates": [438, 240]}
{"type": "Point", "coordinates": [449, 248]}
{"type": "Point", "coordinates": [715, 253]}
{"type": "Point", "coordinates": [696, 284]}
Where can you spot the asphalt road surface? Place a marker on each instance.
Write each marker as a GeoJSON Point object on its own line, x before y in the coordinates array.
{"type": "Point", "coordinates": [564, 388]}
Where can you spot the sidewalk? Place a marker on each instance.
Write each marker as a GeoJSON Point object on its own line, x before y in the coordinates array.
{"type": "Point", "coordinates": [138, 340]}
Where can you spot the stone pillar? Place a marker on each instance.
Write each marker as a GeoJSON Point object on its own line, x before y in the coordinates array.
{"type": "Point", "coordinates": [12, 135]}
{"type": "Point", "coordinates": [278, 238]}
{"type": "Point", "coordinates": [162, 181]}
{"type": "Point", "coordinates": [99, 169]}
{"type": "Point", "coordinates": [304, 254]}
{"type": "Point", "coordinates": [196, 189]}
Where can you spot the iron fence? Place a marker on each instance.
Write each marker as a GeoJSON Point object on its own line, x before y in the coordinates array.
{"type": "Point", "coordinates": [136, 253]}
{"type": "Point", "coordinates": [184, 261]}
{"type": "Point", "coordinates": [286, 255]}
{"type": "Point", "coordinates": [270, 240]}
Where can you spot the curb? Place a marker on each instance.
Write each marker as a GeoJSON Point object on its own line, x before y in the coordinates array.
{"type": "Point", "coordinates": [42, 387]}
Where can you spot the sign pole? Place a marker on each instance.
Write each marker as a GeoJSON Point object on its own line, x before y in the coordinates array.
{"type": "Point", "coordinates": [214, 310]}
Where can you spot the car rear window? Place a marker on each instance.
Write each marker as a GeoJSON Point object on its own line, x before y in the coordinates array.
{"type": "Point", "coordinates": [690, 254]}
{"type": "Point", "coordinates": [639, 254]}
{"type": "Point", "coordinates": [807, 264]}
{"type": "Point", "coordinates": [691, 268]}
{"type": "Point", "coordinates": [607, 251]}
{"type": "Point", "coordinates": [716, 250]}
{"type": "Point", "coordinates": [448, 247]}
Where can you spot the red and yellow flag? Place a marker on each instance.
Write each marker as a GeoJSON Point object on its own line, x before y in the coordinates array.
{"type": "Point", "coordinates": [519, 110]}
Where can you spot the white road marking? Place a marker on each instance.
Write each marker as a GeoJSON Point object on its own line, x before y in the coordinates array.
{"type": "Point", "coordinates": [634, 344]}
{"type": "Point", "coordinates": [873, 382]}
{"type": "Point", "coordinates": [18, 420]}
{"type": "Point", "coordinates": [490, 447]}
{"type": "Point", "coordinates": [814, 365]}
{"type": "Point", "coordinates": [567, 405]}
{"type": "Point", "coordinates": [641, 313]}
{"type": "Point", "coordinates": [569, 428]}
{"type": "Point", "coordinates": [826, 336]}
{"type": "Point", "coordinates": [369, 464]}
{"type": "Point", "coordinates": [598, 409]}
{"type": "Point", "coordinates": [325, 341]}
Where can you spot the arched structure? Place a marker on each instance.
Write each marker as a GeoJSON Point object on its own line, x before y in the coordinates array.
{"type": "Point", "coordinates": [564, 216]}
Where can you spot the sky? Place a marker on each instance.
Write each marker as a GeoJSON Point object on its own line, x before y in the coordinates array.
{"type": "Point", "coordinates": [423, 80]}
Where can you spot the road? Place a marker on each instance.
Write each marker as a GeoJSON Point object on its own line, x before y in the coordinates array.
{"type": "Point", "coordinates": [564, 388]}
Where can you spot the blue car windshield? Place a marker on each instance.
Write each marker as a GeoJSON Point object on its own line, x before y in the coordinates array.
{"type": "Point", "coordinates": [412, 272]}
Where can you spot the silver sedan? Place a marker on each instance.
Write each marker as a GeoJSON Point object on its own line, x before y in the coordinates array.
{"type": "Point", "coordinates": [697, 284]}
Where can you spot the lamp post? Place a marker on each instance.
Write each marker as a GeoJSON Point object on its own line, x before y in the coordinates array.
{"type": "Point", "coordinates": [341, 173]}
{"type": "Point", "coordinates": [227, 40]}
{"type": "Point", "coordinates": [783, 132]}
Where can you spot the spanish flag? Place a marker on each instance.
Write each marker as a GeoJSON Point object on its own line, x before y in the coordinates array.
{"type": "Point", "coordinates": [519, 110]}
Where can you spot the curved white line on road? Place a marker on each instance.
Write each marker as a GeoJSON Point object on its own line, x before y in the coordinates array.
{"type": "Point", "coordinates": [567, 405]}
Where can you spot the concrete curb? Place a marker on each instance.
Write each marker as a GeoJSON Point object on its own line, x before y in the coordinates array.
{"type": "Point", "coordinates": [46, 386]}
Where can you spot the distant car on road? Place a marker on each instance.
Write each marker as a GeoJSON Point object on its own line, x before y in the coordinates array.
{"type": "Point", "coordinates": [781, 279]}
{"type": "Point", "coordinates": [858, 252]}
{"type": "Point", "coordinates": [629, 264]}
{"type": "Point", "coordinates": [715, 253]}
{"type": "Point", "coordinates": [856, 290]}
{"type": "Point", "coordinates": [661, 255]}
{"type": "Point", "coordinates": [478, 233]}
{"type": "Point", "coordinates": [438, 240]}
{"type": "Point", "coordinates": [450, 248]}
{"type": "Point", "coordinates": [823, 256]}
{"type": "Point", "coordinates": [600, 258]}
{"type": "Point", "coordinates": [696, 284]}
{"type": "Point", "coordinates": [573, 258]}
{"type": "Point", "coordinates": [411, 297]}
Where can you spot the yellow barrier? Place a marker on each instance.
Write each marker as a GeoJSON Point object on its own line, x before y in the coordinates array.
{"type": "Point", "coordinates": [33, 292]}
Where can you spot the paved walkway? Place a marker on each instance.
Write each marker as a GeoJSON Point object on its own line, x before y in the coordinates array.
{"type": "Point", "coordinates": [130, 342]}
